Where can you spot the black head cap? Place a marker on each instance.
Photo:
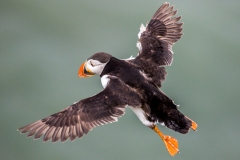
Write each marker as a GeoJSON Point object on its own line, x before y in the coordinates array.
{"type": "Point", "coordinates": [101, 57]}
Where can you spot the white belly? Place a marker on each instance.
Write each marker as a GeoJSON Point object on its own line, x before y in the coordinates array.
{"type": "Point", "coordinates": [140, 114]}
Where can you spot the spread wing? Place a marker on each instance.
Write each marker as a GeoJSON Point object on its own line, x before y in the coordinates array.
{"type": "Point", "coordinates": [155, 44]}
{"type": "Point", "coordinates": [156, 40]}
{"type": "Point", "coordinates": [81, 117]}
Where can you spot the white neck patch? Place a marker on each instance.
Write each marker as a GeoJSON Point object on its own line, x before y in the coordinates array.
{"type": "Point", "coordinates": [105, 80]}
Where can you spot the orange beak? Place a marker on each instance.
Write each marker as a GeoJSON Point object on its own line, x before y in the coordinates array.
{"type": "Point", "coordinates": [84, 72]}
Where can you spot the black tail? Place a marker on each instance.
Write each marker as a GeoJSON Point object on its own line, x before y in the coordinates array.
{"type": "Point", "coordinates": [176, 121]}
{"type": "Point", "coordinates": [165, 110]}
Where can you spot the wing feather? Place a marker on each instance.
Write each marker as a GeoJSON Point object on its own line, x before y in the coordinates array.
{"type": "Point", "coordinates": [81, 117]}
{"type": "Point", "coordinates": [155, 44]}
{"type": "Point", "coordinates": [73, 133]}
{"type": "Point", "coordinates": [48, 135]}
{"type": "Point", "coordinates": [160, 34]}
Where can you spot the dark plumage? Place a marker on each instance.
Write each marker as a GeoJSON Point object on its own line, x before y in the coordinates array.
{"type": "Point", "coordinates": [159, 107]}
{"type": "Point", "coordinates": [133, 82]}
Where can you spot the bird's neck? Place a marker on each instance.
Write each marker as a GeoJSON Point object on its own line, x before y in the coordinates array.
{"type": "Point", "coordinates": [110, 66]}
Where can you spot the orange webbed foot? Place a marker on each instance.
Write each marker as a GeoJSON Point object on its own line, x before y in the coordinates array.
{"type": "Point", "coordinates": [170, 142]}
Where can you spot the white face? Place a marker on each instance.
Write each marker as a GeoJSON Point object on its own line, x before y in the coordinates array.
{"type": "Point", "coordinates": [95, 66]}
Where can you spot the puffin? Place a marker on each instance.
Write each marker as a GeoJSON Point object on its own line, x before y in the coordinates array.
{"type": "Point", "coordinates": [134, 82]}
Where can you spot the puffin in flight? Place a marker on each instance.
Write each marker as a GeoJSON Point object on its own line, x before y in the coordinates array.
{"type": "Point", "coordinates": [133, 82]}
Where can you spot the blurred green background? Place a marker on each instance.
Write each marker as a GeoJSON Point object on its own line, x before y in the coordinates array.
{"type": "Point", "coordinates": [43, 43]}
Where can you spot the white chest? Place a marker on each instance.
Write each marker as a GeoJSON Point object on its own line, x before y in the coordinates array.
{"type": "Point", "coordinates": [105, 80]}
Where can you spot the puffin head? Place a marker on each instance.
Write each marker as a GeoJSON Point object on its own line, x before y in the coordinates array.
{"type": "Point", "coordinates": [94, 64]}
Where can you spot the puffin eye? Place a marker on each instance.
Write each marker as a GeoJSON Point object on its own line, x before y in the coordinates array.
{"type": "Point", "coordinates": [91, 64]}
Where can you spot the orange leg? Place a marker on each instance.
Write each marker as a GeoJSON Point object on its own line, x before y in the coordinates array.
{"type": "Point", "coordinates": [170, 142]}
